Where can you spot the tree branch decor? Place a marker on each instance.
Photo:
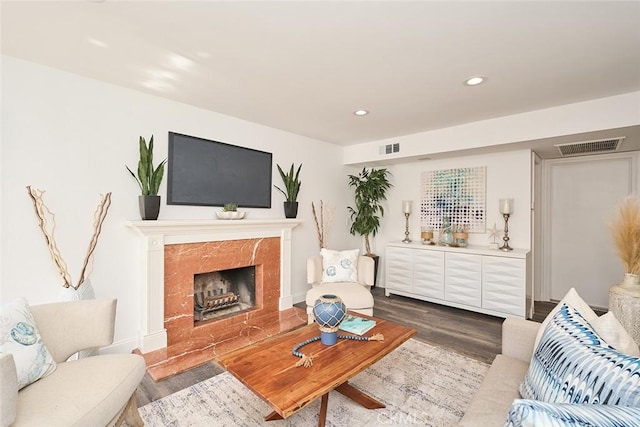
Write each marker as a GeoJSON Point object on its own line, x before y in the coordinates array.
{"type": "Point", "coordinates": [322, 227]}
{"type": "Point", "coordinates": [47, 223]}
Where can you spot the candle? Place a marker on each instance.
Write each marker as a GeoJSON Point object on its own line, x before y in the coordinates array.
{"type": "Point", "coordinates": [426, 233]}
{"type": "Point", "coordinates": [406, 206]}
{"type": "Point", "coordinates": [506, 206]}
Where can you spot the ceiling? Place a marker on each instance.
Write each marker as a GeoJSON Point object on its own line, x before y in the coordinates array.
{"type": "Point", "coordinates": [305, 66]}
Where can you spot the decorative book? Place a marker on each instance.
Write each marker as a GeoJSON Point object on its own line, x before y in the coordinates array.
{"type": "Point", "coordinates": [356, 325]}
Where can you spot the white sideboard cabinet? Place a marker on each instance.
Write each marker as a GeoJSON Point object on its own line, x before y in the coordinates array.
{"type": "Point", "coordinates": [473, 278]}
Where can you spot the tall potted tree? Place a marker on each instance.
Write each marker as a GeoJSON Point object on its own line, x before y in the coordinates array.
{"type": "Point", "coordinates": [292, 186]}
{"type": "Point", "coordinates": [370, 189]}
{"type": "Point", "coordinates": [148, 179]}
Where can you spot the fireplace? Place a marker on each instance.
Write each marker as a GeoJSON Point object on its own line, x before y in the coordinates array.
{"type": "Point", "coordinates": [175, 252]}
{"type": "Point", "coordinates": [223, 293]}
{"type": "Point", "coordinates": [218, 263]}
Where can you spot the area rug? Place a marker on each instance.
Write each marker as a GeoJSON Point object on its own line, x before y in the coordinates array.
{"type": "Point", "coordinates": [420, 384]}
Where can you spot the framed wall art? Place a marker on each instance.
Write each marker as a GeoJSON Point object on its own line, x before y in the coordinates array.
{"type": "Point", "coordinates": [456, 196]}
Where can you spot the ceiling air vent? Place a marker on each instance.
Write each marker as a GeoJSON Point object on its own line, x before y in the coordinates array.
{"type": "Point", "coordinates": [590, 147]}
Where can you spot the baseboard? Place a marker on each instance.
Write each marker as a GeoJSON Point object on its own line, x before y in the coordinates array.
{"type": "Point", "coordinates": [122, 346]}
{"type": "Point", "coordinates": [297, 298]}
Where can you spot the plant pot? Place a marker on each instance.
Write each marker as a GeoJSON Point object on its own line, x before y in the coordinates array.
{"type": "Point", "coordinates": [84, 292]}
{"type": "Point", "coordinates": [290, 209]}
{"type": "Point", "coordinates": [149, 207]}
{"type": "Point", "coordinates": [376, 261]}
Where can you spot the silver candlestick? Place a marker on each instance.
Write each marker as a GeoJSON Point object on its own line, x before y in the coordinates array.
{"type": "Point", "coordinates": [505, 246]}
{"type": "Point", "coordinates": [406, 229]}
{"type": "Point", "coordinates": [506, 209]}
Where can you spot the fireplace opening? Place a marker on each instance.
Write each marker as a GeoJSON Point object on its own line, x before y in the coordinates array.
{"type": "Point", "coordinates": [220, 293]}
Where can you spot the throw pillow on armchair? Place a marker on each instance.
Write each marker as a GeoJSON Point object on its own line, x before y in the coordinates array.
{"type": "Point", "coordinates": [339, 266]}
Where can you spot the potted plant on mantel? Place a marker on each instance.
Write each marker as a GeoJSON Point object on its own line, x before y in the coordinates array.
{"type": "Point", "coordinates": [148, 179]}
{"type": "Point", "coordinates": [370, 187]}
{"type": "Point", "coordinates": [292, 186]}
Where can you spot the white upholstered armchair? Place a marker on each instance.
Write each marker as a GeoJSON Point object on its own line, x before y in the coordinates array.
{"type": "Point", "coordinates": [355, 295]}
{"type": "Point", "coordinates": [91, 391]}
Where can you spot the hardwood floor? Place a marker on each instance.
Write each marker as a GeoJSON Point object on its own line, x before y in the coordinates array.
{"type": "Point", "coordinates": [473, 334]}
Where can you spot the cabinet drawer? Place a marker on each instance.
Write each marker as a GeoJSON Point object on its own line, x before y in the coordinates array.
{"type": "Point", "coordinates": [399, 269]}
{"type": "Point", "coordinates": [463, 279]}
{"type": "Point", "coordinates": [503, 285]}
{"type": "Point", "coordinates": [428, 274]}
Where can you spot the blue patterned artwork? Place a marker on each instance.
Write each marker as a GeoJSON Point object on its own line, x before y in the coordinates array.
{"type": "Point", "coordinates": [456, 195]}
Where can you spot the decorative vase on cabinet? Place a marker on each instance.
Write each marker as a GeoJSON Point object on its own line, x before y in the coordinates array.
{"type": "Point", "coordinates": [446, 234]}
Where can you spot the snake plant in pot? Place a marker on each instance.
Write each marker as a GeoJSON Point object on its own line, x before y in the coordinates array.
{"type": "Point", "coordinates": [148, 179]}
{"type": "Point", "coordinates": [292, 186]}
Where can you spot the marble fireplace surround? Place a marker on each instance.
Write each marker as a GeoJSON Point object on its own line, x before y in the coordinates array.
{"type": "Point", "coordinates": [160, 238]}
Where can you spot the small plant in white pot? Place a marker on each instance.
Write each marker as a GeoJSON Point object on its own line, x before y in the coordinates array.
{"type": "Point", "coordinates": [148, 179]}
{"type": "Point", "coordinates": [230, 211]}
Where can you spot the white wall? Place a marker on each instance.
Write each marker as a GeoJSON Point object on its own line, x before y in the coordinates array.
{"type": "Point", "coordinates": [563, 120]}
{"type": "Point", "coordinates": [72, 136]}
{"type": "Point", "coordinates": [508, 176]}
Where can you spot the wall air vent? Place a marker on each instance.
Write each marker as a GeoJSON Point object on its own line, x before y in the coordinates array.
{"type": "Point", "coordinates": [390, 148]}
{"type": "Point", "coordinates": [590, 147]}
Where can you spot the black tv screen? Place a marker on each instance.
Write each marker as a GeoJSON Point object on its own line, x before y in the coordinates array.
{"type": "Point", "coordinates": [211, 173]}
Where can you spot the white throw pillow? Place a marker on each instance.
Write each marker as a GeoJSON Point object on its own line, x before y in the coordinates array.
{"type": "Point", "coordinates": [607, 326]}
{"type": "Point", "coordinates": [20, 337]}
{"type": "Point", "coordinates": [612, 331]}
{"type": "Point", "coordinates": [339, 266]}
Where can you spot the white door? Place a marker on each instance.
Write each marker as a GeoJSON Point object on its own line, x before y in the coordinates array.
{"type": "Point", "coordinates": [582, 194]}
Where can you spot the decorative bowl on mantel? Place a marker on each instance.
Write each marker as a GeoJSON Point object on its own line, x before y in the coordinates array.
{"type": "Point", "coordinates": [231, 214]}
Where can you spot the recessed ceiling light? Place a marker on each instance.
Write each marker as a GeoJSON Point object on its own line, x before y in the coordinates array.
{"type": "Point", "coordinates": [361, 112]}
{"type": "Point", "coordinates": [474, 81]}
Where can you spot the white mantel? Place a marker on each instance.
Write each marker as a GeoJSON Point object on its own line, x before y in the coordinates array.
{"type": "Point", "coordinates": [156, 234]}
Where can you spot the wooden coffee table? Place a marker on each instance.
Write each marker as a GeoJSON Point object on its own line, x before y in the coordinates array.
{"type": "Point", "coordinates": [268, 367]}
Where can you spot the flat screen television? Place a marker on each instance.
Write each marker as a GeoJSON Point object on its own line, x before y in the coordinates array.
{"type": "Point", "coordinates": [202, 172]}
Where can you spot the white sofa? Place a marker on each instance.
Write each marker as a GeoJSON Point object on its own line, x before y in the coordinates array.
{"type": "Point", "coordinates": [491, 403]}
{"type": "Point", "coordinates": [355, 295]}
{"type": "Point", "coordinates": [92, 391]}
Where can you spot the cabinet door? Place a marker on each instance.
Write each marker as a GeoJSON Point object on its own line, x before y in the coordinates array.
{"type": "Point", "coordinates": [503, 285]}
{"type": "Point", "coordinates": [398, 270]}
{"type": "Point", "coordinates": [463, 279]}
{"type": "Point", "coordinates": [428, 273]}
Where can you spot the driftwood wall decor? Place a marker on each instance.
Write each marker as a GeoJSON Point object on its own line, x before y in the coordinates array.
{"type": "Point", "coordinates": [47, 223]}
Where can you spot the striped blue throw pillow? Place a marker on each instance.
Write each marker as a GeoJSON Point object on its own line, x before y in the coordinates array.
{"type": "Point", "coordinates": [572, 364]}
{"type": "Point", "coordinates": [531, 413]}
